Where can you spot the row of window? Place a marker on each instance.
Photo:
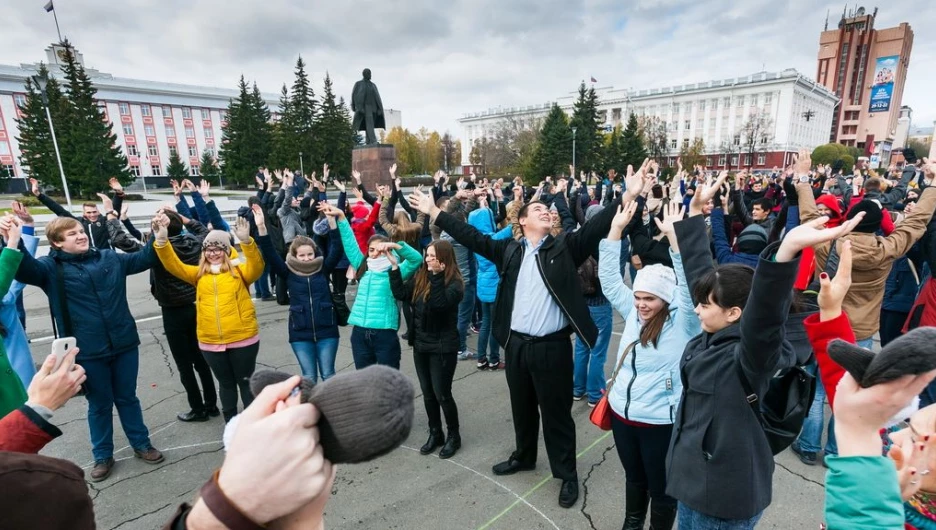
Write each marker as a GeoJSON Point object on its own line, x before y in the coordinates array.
{"type": "Point", "coordinates": [751, 100]}
{"type": "Point", "coordinates": [152, 150]}
{"type": "Point", "coordinates": [147, 110]}
{"type": "Point", "coordinates": [194, 171]}
{"type": "Point", "coordinates": [149, 130]}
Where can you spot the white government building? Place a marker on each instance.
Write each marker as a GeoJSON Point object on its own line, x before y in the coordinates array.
{"type": "Point", "coordinates": [799, 108]}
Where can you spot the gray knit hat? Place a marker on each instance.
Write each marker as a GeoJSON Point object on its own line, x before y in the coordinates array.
{"type": "Point", "coordinates": [592, 211]}
{"type": "Point", "coordinates": [365, 413]}
{"type": "Point", "coordinates": [217, 238]}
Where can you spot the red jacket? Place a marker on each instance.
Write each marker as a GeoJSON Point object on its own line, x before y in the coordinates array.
{"type": "Point", "coordinates": [820, 333]}
{"type": "Point", "coordinates": [364, 228]}
{"type": "Point", "coordinates": [25, 431]}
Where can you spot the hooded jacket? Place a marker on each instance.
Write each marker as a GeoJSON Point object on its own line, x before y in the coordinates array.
{"type": "Point", "coordinates": [872, 259]}
{"type": "Point", "coordinates": [97, 231]}
{"type": "Point", "coordinates": [488, 279]}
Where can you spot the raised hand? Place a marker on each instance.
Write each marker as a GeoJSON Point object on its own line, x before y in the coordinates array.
{"type": "Point", "coordinates": [325, 170]}
{"type": "Point", "coordinates": [242, 230]}
{"type": "Point", "coordinates": [802, 163]}
{"type": "Point", "coordinates": [22, 212]}
{"type": "Point", "coordinates": [422, 202]}
{"type": "Point", "coordinates": [832, 291]}
{"type": "Point", "coordinates": [203, 188]}
{"type": "Point", "coordinates": [706, 192]}
{"type": "Point", "coordinates": [393, 171]}
{"type": "Point", "coordinates": [108, 204]}
{"type": "Point", "coordinates": [340, 185]}
{"type": "Point", "coordinates": [622, 218]}
{"type": "Point", "coordinates": [259, 219]}
{"type": "Point", "coordinates": [811, 234]}
{"type": "Point", "coordinates": [259, 181]}
{"type": "Point", "coordinates": [34, 187]}
{"type": "Point", "coordinates": [330, 211]}
{"type": "Point", "coordinates": [124, 211]}
{"type": "Point", "coordinates": [356, 175]}
{"type": "Point", "coordinates": [176, 188]}
{"type": "Point", "coordinates": [160, 228]}
{"type": "Point", "coordinates": [672, 214]}
{"type": "Point", "coordinates": [929, 168]}
{"type": "Point", "coordinates": [115, 185]}
{"type": "Point", "coordinates": [358, 194]}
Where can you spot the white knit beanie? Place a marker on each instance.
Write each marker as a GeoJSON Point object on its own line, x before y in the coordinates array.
{"type": "Point", "coordinates": [658, 280]}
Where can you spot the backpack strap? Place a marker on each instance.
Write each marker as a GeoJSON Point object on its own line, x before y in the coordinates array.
{"type": "Point", "coordinates": [63, 302]}
{"type": "Point", "coordinates": [749, 394]}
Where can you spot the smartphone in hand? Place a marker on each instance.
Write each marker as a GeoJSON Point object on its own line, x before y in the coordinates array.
{"type": "Point", "coordinates": [60, 347]}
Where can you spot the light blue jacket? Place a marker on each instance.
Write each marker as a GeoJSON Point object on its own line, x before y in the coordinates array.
{"type": "Point", "coordinates": [16, 343]}
{"type": "Point", "coordinates": [488, 278]}
{"type": "Point", "coordinates": [648, 386]}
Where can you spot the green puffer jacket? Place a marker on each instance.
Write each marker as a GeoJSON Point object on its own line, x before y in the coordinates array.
{"type": "Point", "coordinates": [374, 305]}
{"type": "Point", "coordinates": [12, 393]}
{"type": "Point", "coordinates": [862, 492]}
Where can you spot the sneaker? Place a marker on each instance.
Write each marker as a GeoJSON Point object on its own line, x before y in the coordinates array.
{"type": "Point", "coordinates": [465, 355]}
{"type": "Point", "coordinates": [474, 329]}
{"type": "Point", "coordinates": [150, 456]}
{"type": "Point", "coordinates": [102, 469]}
{"type": "Point", "coordinates": [576, 397]}
{"type": "Point", "coordinates": [806, 457]}
{"type": "Point", "coordinates": [482, 363]}
{"type": "Point", "coordinates": [496, 366]}
{"type": "Point", "coordinates": [592, 404]}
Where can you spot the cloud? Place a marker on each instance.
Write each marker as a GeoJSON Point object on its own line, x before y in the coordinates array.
{"type": "Point", "coordinates": [436, 61]}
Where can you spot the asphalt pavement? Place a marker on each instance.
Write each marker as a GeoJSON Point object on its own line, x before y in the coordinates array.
{"type": "Point", "coordinates": [402, 490]}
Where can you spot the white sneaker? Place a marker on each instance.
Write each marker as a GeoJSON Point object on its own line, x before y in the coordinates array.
{"type": "Point", "coordinates": [465, 355]}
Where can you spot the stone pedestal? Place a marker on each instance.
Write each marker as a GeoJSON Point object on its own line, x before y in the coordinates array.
{"type": "Point", "coordinates": [373, 162]}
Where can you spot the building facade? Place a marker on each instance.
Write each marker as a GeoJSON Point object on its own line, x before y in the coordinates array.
{"type": "Point", "coordinates": [151, 119]}
{"type": "Point", "coordinates": [867, 69]}
{"type": "Point", "coordinates": [797, 113]}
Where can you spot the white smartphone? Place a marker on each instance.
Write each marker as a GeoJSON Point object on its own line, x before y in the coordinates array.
{"type": "Point", "coordinates": [60, 347]}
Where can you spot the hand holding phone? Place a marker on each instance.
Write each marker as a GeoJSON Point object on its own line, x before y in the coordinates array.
{"type": "Point", "coordinates": [60, 347]}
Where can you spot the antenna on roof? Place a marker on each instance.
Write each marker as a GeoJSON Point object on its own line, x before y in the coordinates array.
{"type": "Point", "coordinates": [826, 21]}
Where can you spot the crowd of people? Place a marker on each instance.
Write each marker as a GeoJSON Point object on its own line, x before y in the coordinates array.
{"type": "Point", "coordinates": [722, 282]}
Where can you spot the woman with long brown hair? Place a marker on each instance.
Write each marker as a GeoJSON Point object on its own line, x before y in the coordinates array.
{"type": "Point", "coordinates": [659, 320]}
{"type": "Point", "coordinates": [435, 292]}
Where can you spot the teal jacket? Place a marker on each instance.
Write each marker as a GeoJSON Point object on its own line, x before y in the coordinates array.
{"type": "Point", "coordinates": [862, 492]}
{"type": "Point", "coordinates": [374, 305]}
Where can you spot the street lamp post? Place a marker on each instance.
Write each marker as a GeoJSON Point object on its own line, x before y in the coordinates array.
{"type": "Point", "coordinates": [42, 81]}
{"type": "Point", "coordinates": [572, 176]}
{"type": "Point", "coordinates": [301, 169]}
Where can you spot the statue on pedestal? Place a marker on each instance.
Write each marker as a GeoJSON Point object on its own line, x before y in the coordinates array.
{"type": "Point", "coordinates": [367, 108]}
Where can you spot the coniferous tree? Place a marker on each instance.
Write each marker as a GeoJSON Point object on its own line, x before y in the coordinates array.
{"type": "Point", "coordinates": [612, 151]}
{"type": "Point", "coordinates": [588, 135]}
{"type": "Point", "coordinates": [35, 139]}
{"type": "Point", "coordinates": [89, 148]}
{"type": "Point", "coordinates": [333, 131]}
{"type": "Point", "coordinates": [208, 168]}
{"type": "Point", "coordinates": [176, 169]}
{"type": "Point", "coordinates": [285, 146]}
{"type": "Point", "coordinates": [245, 143]}
{"type": "Point", "coordinates": [305, 111]}
{"type": "Point", "coordinates": [554, 149]}
{"type": "Point", "coordinates": [633, 145]}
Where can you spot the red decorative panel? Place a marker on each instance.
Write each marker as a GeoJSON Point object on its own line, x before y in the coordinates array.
{"type": "Point", "coordinates": [130, 140]}
{"type": "Point", "coordinates": [167, 121]}
{"type": "Point", "coordinates": [133, 160]}
{"type": "Point", "coordinates": [6, 159]}
{"type": "Point", "coordinates": [126, 119]}
{"type": "Point", "coordinates": [3, 135]}
{"type": "Point", "coordinates": [209, 141]}
{"type": "Point", "coordinates": [151, 139]}
{"type": "Point", "coordinates": [171, 140]}
{"type": "Point", "coordinates": [191, 141]}
{"type": "Point", "coordinates": [206, 124]}
{"type": "Point", "coordinates": [147, 119]}
{"type": "Point", "coordinates": [188, 122]}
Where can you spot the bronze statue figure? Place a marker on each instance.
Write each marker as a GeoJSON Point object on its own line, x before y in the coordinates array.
{"type": "Point", "coordinates": [367, 108]}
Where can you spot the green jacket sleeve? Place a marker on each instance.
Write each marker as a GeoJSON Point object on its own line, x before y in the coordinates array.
{"type": "Point", "coordinates": [9, 263]}
{"type": "Point", "coordinates": [862, 492]}
{"type": "Point", "coordinates": [350, 244]}
{"type": "Point", "coordinates": [412, 260]}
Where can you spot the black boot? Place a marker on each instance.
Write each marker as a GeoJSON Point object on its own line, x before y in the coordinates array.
{"type": "Point", "coordinates": [452, 444]}
{"type": "Point", "coordinates": [436, 438]}
{"type": "Point", "coordinates": [662, 514]}
{"type": "Point", "coordinates": [635, 511]}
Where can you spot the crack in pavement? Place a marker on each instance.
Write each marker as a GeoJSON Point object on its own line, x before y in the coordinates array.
{"type": "Point", "coordinates": [162, 350]}
{"type": "Point", "coordinates": [175, 393]}
{"type": "Point", "coordinates": [807, 479]}
{"type": "Point", "coordinates": [604, 456]}
{"type": "Point", "coordinates": [161, 467]}
{"type": "Point", "coordinates": [174, 501]}
{"type": "Point", "coordinates": [95, 490]}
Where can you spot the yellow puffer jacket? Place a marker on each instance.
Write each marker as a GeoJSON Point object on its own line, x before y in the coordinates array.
{"type": "Point", "coordinates": [225, 311]}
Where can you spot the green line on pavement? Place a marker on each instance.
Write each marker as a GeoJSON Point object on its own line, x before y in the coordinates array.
{"type": "Point", "coordinates": [538, 486]}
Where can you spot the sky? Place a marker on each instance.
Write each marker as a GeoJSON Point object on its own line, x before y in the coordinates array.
{"type": "Point", "coordinates": [437, 61]}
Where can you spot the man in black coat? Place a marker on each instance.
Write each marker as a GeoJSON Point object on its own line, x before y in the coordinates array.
{"type": "Point", "coordinates": [536, 310]}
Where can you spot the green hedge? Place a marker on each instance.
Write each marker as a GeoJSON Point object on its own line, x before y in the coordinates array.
{"type": "Point", "coordinates": [31, 200]}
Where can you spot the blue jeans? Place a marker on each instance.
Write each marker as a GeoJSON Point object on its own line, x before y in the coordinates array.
{"type": "Point", "coordinates": [689, 519]}
{"type": "Point", "coordinates": [375, 346]}
{"type": "Point", "coordinates": [112, 381]}
{"type": "Point", "coordinates": [316, 357]}
{"type": "Point", "coordinates": [867, 343]}
{"type": "Point", "coordinates": [810, 438]}
{"type": "Point", "coordinates": [588, 372]}
{"type": "Point", "coordinates": [465, 308]}
{"type": "Point", "coordinates": [486, 340]}
{"type": "Point", "coordinates": [262, 286]}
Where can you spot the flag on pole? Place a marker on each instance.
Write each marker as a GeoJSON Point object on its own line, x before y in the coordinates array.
{"type": "Point", "coordinates": [593, 80]}
{"type": "Point", "coordinates": [49, 7]}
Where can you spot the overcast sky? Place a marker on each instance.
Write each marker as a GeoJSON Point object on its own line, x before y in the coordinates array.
{"type": "Point", "coordinates": [436, 61]}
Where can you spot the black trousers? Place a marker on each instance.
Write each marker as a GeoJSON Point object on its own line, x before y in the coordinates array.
{"type": "Point", "coordinates": [539, 377]}
{"type": "Point", "coordinates": [233, 368]}
{"type": "Point", "coordinates": [180, 326]}
{"type": "Point", "coordinates": [642, 451]}
{"type": "Point", "coordinates": [435, 372]}
{"type": "Point", "coordinates": [339, 278]}
{"type": "Point", "coordinates": [891, 324]}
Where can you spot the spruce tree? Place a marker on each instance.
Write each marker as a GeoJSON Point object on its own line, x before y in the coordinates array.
{"type": "Point", "coordinates": [208, 168]}
{"type": "Point", "coordinates": [176, 169]}
{"type": "Point", "coordinates": [35, 139]}
{"type": "Point", "coordinates": [554, 148]}
{"type": "Point", "coordinates": [588, 135]}
{"type": "Point", "coordinates": [349, 137]}
{"type": "Point", "coordinates": [332, 131]}
{"type": "Point", "coordinates": [245, 143]}
{"type": "Point", "coordinates": [89, 148]}
{"type": "Point", "coordinates": [633, 145]}
{"type": "Point", "coordinates": [305, 113]}
{"type": "Point", "coordinates": [285, 150]}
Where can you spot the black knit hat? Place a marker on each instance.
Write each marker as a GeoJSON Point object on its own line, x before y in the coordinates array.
{"type": "Point", "coordinates": [872, 219]}
{"type": "Point", "coordinates": [753, 239]}
{"type": "Point", "coordinates": [909, 155]}
{"type": "Point", "coordinates": [365, 413]}
{"type": "Point", "coordinates": [910, 354]}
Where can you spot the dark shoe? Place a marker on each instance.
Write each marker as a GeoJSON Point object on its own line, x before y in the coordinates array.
{"type": "Point", "coordinates": [193, 415]}
{"type": "Point", "coordinates": [662, 514]}
{"type": "Point", "coordinates": [568, 493]}
{"type": "Point", "coordinates": [511, 466]}
{"type": "Point", "coordinates": [150, 456]}
{"type": "Point", "coordinates": [482, 363]}
{"type": "Point", "coordinates": [452, 444]}
{"type": "Point", "coordinates": [636, 501]}
{"type": "Point", "coordinates": [213, 411]}
{"type": "Point", "coordinates": [496, 366]}
{"type": "Point", "coordinates": [807, 457]}
{"type": "Point", "coordinates": [102, 469]}
{"type": "Point", "coordinates": [406, 336]}
{"type": "Point", "coordinates": [436, 438]}
{"type": "Point", "coordinates": [268, 298]}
